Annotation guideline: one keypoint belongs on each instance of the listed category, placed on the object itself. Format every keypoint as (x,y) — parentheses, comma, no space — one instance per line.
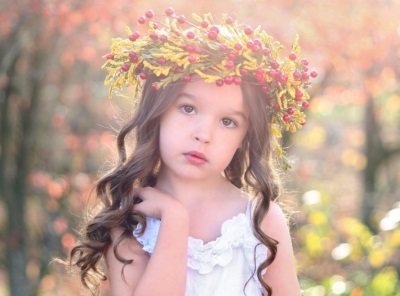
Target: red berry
(230,64)
(110,56)
(244,71)
(265,88)
(258,42)
(298,94)
(255,48)
(232,55)
(215,29)
(276,106)
(162,61)
(187,78)
(125,67)
(164,38)
(305,76)
(149,13)
(143,75)
(290,111)
(274,64)
(292,56)
(260,71)
(198,50)
(204,24)
(190,48)
(314,74)
(250,44)
(229,20)
(283,78)
(192,59)
(266,51)
(154,87)
(219,82)
(134,36)
(190,35)
(237,80)
(305,68)
(286,117)
(223,47)
(248,30)
(133,59)
(154,36)
(141,20)
(169,11)
(181,19)
(272,73)
(212,35)
(305,104)
(296,75)
(238,46)
(305,62)
(228,80)
(260,79)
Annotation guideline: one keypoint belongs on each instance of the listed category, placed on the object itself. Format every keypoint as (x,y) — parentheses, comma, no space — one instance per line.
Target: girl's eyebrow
(241,114)
(194,98)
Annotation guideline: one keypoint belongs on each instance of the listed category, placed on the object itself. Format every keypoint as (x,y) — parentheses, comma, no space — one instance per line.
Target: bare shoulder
(281,274)
(275,221)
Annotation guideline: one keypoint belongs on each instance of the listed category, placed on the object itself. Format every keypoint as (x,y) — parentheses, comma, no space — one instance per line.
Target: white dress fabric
(223,266)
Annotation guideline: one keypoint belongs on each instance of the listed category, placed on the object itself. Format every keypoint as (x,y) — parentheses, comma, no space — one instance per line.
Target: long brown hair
(251,169)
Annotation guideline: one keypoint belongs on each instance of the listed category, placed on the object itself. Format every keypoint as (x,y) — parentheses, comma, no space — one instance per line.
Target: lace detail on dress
(235,233)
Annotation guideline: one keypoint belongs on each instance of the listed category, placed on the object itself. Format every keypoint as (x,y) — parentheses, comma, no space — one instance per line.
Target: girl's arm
(164,273)
(281,274)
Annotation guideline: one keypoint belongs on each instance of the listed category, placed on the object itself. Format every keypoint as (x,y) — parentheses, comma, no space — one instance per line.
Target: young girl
(189,209)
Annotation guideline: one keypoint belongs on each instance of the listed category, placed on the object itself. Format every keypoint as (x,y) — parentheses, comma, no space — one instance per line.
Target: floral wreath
(222,53)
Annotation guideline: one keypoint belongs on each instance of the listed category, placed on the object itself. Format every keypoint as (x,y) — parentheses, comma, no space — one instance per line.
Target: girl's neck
(193,191)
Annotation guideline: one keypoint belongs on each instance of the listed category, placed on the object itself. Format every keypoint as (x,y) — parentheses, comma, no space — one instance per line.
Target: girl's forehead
(213,96)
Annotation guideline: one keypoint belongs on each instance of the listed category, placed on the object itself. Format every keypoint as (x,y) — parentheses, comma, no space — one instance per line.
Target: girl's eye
(228,122)
(187,109)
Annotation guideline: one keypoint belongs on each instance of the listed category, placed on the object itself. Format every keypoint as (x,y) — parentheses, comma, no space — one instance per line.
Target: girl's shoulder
(275,220)
(275,224)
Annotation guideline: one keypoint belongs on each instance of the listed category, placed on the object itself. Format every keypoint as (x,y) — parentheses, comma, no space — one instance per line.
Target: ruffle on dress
(236,232)
(149,237)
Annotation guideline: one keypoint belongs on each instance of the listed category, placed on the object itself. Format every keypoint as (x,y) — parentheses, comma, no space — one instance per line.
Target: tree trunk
(375,154)
(17,141)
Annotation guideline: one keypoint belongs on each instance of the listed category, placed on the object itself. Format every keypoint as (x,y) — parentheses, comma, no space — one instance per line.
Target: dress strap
(249,207)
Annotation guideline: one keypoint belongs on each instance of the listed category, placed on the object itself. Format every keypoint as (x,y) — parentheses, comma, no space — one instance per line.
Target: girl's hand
(156,203)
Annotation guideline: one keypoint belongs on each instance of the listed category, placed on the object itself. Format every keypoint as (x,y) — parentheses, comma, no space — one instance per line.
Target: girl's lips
(195,157)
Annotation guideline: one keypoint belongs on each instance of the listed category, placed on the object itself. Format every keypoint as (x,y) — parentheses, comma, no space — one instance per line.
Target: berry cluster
(225,53)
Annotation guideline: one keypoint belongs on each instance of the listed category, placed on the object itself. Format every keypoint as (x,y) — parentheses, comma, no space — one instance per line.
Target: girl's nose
(203,132)
(202,139)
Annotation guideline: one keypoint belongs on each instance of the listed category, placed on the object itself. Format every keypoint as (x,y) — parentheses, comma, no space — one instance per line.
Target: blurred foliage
(356,45)
(340,255)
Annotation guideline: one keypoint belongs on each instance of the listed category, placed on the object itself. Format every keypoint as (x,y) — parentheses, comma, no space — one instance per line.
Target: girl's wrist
(175,211)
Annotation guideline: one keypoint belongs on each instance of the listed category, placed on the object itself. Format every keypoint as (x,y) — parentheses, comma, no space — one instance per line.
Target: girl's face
(201,131)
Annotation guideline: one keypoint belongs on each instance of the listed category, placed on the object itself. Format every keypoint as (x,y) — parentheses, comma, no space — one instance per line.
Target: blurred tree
(24,56)
(378,154)
(360,42)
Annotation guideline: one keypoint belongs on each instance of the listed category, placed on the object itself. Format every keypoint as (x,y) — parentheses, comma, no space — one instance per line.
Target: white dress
(221,267)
